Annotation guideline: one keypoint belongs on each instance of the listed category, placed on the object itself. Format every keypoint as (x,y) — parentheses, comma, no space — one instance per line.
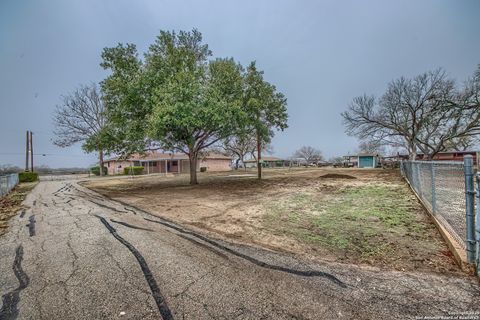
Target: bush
(27,176)
(96,170)
(135,170)
(203,169)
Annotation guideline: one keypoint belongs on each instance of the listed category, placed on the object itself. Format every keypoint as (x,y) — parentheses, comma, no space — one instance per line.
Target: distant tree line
(426,114)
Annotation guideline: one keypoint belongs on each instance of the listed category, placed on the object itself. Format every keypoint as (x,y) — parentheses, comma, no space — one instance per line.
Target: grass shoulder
(11,203)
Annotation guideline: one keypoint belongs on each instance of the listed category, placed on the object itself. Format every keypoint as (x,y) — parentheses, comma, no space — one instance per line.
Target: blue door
(365,162)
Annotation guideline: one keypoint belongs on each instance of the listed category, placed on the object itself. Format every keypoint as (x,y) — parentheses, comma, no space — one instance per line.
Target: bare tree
(240,146)
(425,113)
(371,146)
(9,168)
(81,118)
(463,143)
(309,154)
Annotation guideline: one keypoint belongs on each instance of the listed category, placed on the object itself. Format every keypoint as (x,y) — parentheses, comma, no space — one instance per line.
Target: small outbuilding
(366,160)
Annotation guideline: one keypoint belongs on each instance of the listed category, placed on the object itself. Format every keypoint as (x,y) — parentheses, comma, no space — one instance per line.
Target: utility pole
(259,148)
(259,156)
(31,150)
(27,148)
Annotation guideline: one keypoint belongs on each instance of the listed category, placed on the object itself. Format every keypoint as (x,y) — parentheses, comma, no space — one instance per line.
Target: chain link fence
(7,183)
(441,187)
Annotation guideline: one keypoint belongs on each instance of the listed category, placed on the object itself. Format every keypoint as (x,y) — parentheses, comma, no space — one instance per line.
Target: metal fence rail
(441,187)
(7,183)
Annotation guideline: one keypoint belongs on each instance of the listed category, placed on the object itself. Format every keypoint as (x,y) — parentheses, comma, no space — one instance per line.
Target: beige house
(159,162)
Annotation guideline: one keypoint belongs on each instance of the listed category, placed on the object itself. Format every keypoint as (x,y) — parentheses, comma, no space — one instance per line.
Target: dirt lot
(12,203)
(367,217)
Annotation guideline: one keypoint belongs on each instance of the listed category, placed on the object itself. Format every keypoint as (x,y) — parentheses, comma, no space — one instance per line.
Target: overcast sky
(320,54)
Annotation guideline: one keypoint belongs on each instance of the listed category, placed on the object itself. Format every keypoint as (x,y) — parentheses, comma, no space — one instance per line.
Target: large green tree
(125,97)
(266,109)
(177,99)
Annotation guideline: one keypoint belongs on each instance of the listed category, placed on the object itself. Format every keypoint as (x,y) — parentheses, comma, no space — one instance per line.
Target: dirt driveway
(366,217)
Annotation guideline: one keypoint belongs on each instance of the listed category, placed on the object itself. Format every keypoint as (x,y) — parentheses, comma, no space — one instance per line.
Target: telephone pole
(27,148)
(29,151)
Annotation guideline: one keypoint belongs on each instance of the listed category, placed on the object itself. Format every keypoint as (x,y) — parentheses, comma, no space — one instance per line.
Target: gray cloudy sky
(319,53)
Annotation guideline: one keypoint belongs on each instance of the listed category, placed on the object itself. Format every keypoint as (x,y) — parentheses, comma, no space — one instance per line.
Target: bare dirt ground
(366,217)
(12,203)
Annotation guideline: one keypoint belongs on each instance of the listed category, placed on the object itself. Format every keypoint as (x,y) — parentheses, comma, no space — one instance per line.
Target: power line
(46,154)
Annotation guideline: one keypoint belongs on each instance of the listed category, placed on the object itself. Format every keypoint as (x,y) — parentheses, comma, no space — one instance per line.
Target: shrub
(135,170)
(27,176)
(203,169)
(96,170)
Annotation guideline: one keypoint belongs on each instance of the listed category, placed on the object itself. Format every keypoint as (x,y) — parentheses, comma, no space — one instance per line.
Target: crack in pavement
(107,207)
(152,283)
(10,300)
(303,273)
(309,273)
(130,225)
(203,245)
(31,225)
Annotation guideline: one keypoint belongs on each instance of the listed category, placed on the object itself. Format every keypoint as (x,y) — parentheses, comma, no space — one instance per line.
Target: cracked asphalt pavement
(77,255)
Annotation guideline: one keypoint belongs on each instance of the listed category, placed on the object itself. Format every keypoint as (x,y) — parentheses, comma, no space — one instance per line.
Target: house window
(153,163)
(136,163)
(174,163)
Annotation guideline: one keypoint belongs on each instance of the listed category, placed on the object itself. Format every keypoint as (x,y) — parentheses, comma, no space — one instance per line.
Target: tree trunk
(193,168)
(412,151)
(100,156)
(259,157)
(236,163)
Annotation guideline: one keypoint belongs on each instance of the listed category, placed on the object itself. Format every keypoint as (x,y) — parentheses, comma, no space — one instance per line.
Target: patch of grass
(362,221)
(11,203)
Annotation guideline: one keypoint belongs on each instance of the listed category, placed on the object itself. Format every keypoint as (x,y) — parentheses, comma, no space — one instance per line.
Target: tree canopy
(425,114)
(177,99)
(82,118)
(309,154)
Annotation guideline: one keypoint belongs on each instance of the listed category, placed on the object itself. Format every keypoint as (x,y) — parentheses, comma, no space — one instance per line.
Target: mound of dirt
(337,176)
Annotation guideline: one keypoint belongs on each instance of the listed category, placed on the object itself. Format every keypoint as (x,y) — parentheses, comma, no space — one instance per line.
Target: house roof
(264,159)
(155,156)
(453,151)
(362,155)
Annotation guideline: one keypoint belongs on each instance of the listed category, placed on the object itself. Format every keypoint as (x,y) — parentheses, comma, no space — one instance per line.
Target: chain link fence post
(477,225)
(469,202)
(434,196)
